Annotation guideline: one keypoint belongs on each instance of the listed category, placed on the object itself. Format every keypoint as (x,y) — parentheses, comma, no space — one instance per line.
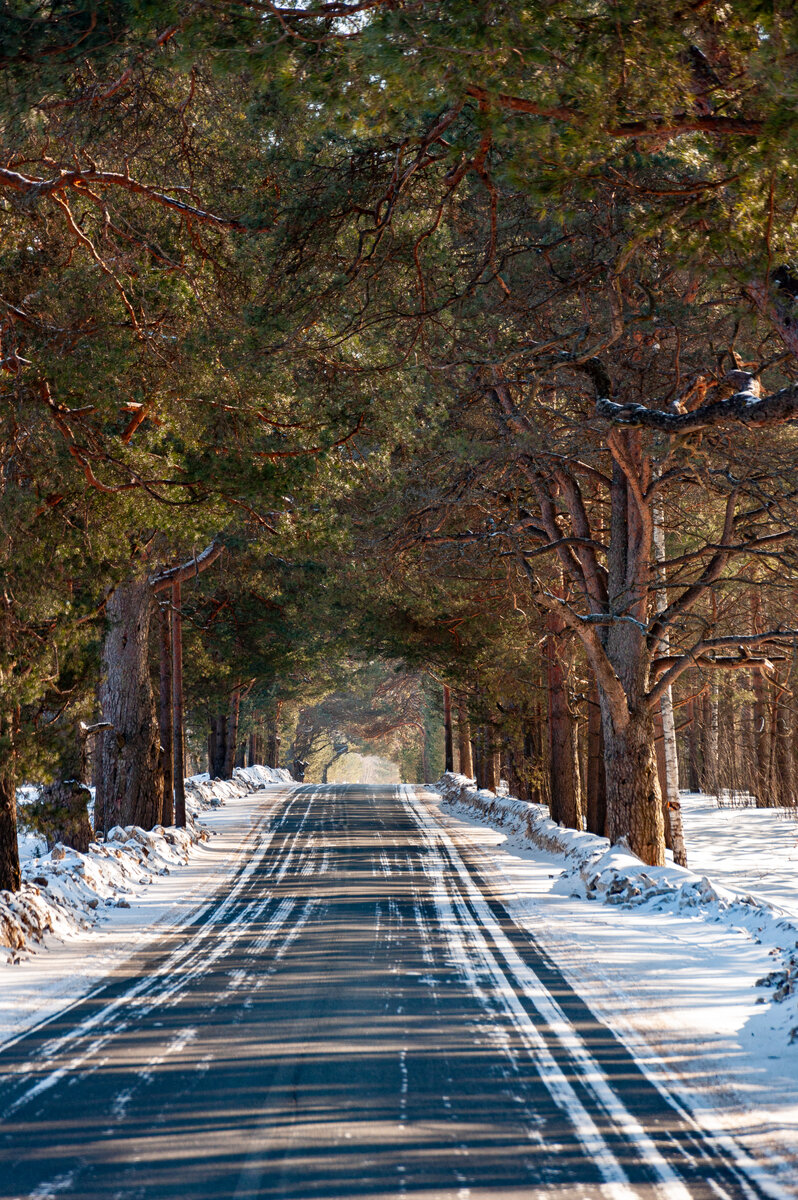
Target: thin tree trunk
(466,759)
(129,775)
(165,712)
(217,746)
(527,769)
(424,756)
(492,760)
(693,774)
(713,741)
(782,749)
(764,789)
(537,750)
(793,715)
(231,737)
(512,774)
(564,790)
(748,772)
(478,754)
(659,746)
(448,749)
(596,780)
(273,743)
(671,803)
(9,845)
(177,708)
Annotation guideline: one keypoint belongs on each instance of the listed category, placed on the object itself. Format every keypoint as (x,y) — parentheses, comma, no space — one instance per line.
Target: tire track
(681,1158)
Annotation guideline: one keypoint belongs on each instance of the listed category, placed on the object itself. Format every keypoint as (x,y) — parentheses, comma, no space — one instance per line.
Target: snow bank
(593,869)
(64,891)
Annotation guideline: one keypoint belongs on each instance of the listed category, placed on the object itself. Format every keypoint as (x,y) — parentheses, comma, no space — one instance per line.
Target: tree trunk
(794,723)
(669,771)
(448,748)
(491,761)
(273,742)
(748,772)
(165,712)
(9,845)
(130,775)
(596,780)
(634,804)
(535,741)
(231,733)
(65,806)
(564,783)
(662,775)
(478,755)
(764,789)
(709,772)
(782,749)
(424,756)
(466,760)
(179,759)
(693,773)
(672,799)
(217,746)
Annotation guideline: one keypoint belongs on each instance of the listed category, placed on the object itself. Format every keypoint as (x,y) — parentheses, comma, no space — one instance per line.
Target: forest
(417,378)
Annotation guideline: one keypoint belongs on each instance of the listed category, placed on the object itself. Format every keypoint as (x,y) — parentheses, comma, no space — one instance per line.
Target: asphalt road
(354,1015)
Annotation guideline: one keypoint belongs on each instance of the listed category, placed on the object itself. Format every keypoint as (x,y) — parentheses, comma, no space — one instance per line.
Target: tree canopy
(461,336)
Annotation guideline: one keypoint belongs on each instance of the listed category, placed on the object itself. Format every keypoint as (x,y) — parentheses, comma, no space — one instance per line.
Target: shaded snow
(52,973)
(64,891)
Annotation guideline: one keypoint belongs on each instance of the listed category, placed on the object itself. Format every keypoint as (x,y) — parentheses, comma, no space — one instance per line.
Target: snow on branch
(187,570)
(745,407)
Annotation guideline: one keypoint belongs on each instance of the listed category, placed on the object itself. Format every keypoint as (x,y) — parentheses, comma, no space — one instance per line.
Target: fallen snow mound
(594,869)
(64,891)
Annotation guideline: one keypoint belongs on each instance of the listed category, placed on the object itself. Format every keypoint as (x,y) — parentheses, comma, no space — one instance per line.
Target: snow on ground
(78,915)
(670,958)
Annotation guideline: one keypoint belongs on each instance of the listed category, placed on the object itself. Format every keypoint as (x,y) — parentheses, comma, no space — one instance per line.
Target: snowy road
(355,1015)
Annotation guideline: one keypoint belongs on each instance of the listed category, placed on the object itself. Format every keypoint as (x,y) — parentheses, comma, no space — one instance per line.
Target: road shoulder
(52,976)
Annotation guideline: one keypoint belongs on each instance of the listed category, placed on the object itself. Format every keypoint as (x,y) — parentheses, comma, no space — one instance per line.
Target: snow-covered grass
(671,959)
(746,848)
(64,891)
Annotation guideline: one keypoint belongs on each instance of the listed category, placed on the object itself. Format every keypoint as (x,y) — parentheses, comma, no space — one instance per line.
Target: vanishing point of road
(355,1014)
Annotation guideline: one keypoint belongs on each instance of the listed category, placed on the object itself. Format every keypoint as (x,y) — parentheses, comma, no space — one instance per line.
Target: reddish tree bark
(128,768)
(165,712)
(273,738)
(9,845)
(448,748)
(129,777)
(564,783)
(231,732)
(596,780)
(465,757)
(179,756)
